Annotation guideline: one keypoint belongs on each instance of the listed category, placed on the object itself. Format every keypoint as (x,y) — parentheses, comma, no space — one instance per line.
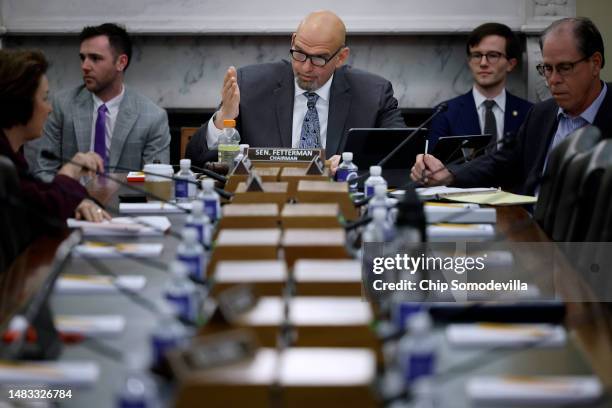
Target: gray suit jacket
(141,134)
(357,99)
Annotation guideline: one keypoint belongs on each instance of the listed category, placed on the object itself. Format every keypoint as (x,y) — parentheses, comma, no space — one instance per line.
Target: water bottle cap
(375,171)
(379,214)
(380,190)
(208,184)
(185,163)
(419,322)
(179,269)
(190,235)
(347,156)
(197,208)
(229,123)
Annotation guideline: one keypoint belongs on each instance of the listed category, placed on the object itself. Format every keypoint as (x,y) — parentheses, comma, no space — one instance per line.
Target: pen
(426,145)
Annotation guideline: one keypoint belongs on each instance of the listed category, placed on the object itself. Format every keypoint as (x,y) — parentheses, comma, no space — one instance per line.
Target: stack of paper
(153,207)
(453,232)
(459,213)
(90,325)
(73,373)
(505,335)
(439,192)
(534,391)
(120,226)
(92,249)
(85,284)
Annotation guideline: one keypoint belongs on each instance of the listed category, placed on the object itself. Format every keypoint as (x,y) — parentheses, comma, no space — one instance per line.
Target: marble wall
(186,72)
(182,47)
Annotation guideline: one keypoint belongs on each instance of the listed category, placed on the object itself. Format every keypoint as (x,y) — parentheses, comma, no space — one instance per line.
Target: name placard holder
(274,156)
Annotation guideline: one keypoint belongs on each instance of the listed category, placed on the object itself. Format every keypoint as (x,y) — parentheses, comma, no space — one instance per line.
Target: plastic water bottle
(138,390)
(184,182)
(347,171)
(374,179)
(191,253)
(182,293)
(417,348)
(229,143)
(211,200)
(167,334)
(379,199)
(200,221)
(376,231)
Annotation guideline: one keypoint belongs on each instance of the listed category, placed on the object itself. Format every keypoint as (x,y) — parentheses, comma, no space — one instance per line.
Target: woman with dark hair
(24,108)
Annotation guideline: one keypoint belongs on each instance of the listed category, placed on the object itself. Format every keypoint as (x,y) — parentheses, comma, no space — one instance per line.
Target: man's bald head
(322,27)
(321,35)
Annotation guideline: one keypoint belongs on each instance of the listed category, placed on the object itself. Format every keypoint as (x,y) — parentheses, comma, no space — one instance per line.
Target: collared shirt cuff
(212,133)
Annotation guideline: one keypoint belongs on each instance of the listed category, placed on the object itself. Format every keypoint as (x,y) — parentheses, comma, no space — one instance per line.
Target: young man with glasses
(310,102)
(573,56)
(492,52)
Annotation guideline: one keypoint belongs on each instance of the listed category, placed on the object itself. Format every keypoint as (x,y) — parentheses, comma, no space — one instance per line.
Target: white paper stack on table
(459,213)
(90,325)
(534,391)
(91,249)
(154,207)
(124,226)
(68,373)
(509,335)
(89,284)
(453,232)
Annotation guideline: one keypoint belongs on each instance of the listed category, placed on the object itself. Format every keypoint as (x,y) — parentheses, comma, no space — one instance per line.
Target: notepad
(90,325)
(122,226)
(93,249)
(498,198)
(153,207)
(86,284)
(534,390)
(63,373)
(505,335)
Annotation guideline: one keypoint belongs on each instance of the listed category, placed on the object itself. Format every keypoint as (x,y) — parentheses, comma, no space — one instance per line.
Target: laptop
(467,147)
(371,145)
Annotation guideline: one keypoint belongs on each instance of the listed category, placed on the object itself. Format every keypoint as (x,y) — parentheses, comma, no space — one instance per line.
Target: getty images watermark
(461,271)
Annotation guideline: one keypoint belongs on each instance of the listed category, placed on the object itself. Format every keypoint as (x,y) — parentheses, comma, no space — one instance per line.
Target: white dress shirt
(112,110)
(299,111)
(498,110)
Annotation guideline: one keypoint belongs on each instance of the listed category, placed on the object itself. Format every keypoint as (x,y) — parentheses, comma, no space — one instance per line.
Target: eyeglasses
(563,68)
(316,60)
(491,56)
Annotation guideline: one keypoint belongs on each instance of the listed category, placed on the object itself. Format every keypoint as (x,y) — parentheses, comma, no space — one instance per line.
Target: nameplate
(316,167)
(284,155)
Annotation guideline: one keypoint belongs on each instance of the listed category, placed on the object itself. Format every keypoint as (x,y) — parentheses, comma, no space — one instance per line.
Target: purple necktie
(100,137)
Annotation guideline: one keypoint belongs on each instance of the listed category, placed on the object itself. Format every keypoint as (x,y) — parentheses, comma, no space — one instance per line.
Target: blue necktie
(310,138)
(100,135)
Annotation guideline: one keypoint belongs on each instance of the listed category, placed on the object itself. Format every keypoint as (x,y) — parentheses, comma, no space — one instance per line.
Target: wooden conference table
(592,350)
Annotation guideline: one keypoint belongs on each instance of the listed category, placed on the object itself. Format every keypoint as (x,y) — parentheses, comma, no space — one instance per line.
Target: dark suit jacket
(57,199)
(523,161)
(357,99)
(461,117)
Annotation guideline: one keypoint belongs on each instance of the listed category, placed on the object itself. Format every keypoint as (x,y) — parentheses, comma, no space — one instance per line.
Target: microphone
(439,109)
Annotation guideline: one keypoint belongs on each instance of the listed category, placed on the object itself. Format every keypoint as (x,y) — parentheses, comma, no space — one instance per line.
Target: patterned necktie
(490,124)
(100,135)
(310,138)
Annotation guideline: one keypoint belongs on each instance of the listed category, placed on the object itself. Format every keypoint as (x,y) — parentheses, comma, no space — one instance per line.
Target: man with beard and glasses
(103,115)
(310,102)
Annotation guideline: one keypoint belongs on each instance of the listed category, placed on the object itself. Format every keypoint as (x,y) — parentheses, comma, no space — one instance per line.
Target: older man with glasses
(310,102)
(493,51)
(573,56)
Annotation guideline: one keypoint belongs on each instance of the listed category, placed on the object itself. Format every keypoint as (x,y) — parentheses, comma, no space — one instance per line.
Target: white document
(73,373)
(122,226)
(505,335)
(153,207)
(431,193)
(459,213)
(90,325)
(85,284)
(92,249)
(534,391)
(453,232)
